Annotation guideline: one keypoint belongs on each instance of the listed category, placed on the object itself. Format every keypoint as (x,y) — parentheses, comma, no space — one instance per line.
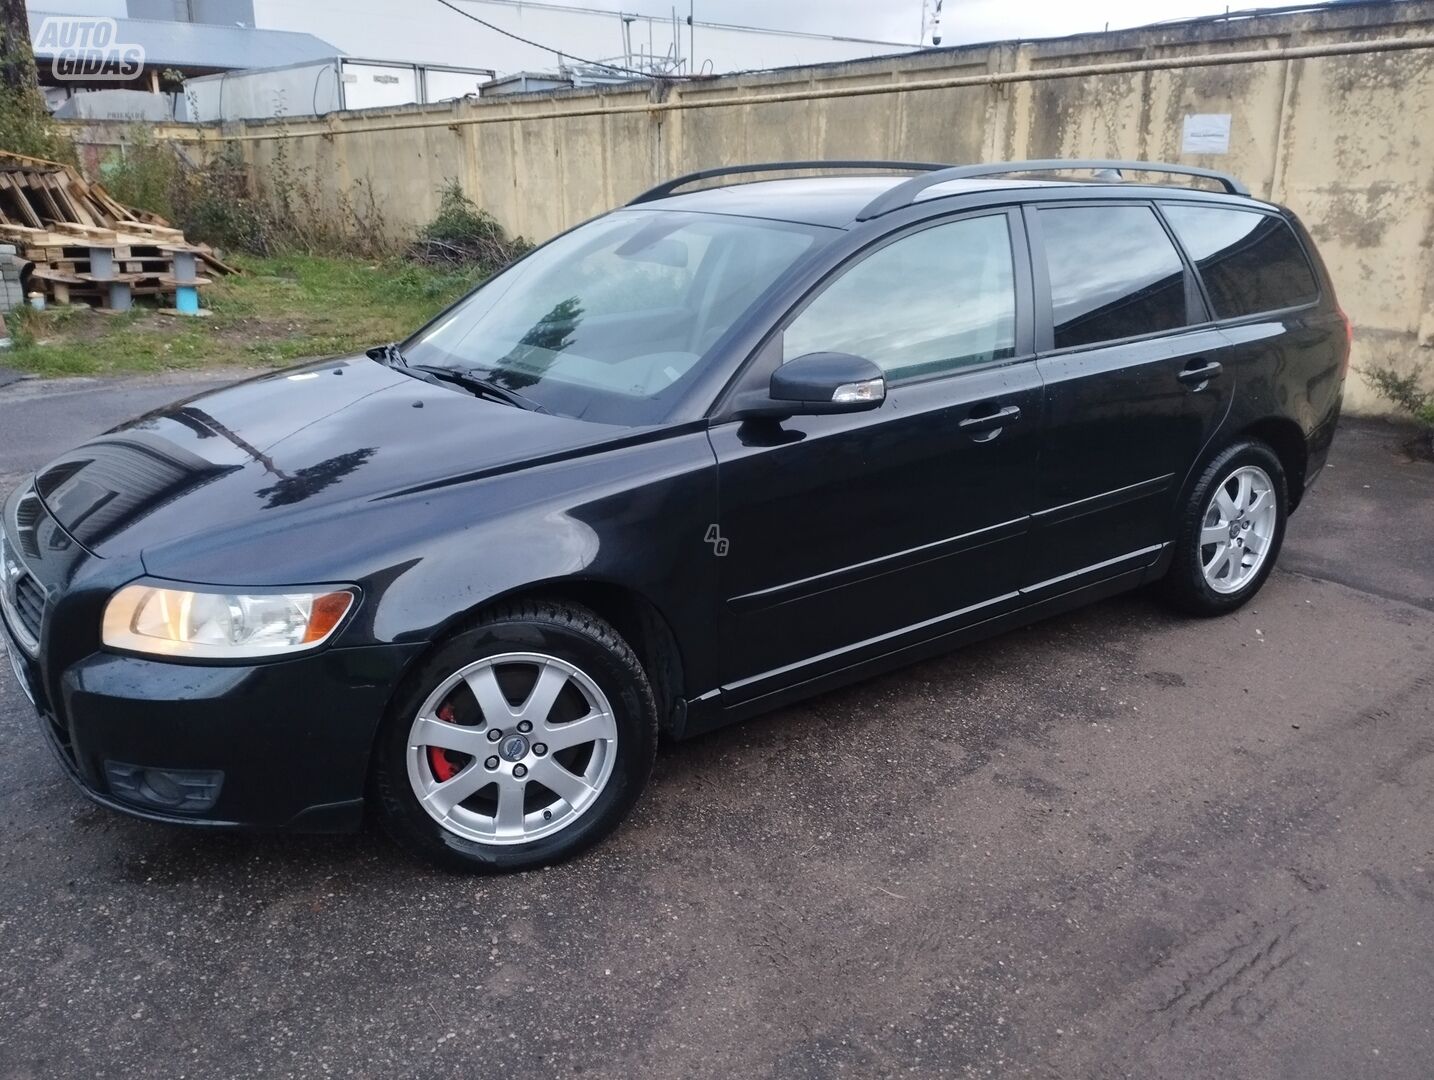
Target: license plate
(19,671)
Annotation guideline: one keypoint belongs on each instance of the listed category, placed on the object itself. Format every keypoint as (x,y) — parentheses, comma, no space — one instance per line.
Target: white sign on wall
(1206,133)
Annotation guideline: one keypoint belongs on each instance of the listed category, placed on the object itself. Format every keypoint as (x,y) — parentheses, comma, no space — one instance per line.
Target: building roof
(191,46)
(531,76)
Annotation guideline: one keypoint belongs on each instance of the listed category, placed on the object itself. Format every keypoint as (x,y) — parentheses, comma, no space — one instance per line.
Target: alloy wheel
(496,772)
(1238,529)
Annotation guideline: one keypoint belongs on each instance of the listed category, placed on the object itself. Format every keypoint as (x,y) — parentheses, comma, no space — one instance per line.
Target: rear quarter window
(1114,274)
(1250,262)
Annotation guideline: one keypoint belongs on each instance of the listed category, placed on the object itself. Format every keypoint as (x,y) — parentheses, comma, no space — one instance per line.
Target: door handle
(1198,376)
(991,422)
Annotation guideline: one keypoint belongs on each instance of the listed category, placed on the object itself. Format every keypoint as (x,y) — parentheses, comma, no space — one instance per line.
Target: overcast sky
(426,31)
(901,20)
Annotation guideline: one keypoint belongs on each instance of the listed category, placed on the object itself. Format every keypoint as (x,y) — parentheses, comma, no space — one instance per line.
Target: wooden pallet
(64,225)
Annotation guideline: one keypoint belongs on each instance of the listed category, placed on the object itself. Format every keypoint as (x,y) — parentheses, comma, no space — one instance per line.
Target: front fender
(634,516)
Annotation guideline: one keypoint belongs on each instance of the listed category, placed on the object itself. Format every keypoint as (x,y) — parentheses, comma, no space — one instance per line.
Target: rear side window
(931,302)
(1114,274)
(1250,262)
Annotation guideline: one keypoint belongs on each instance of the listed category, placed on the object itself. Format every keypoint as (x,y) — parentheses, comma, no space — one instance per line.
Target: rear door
(1288,344)
(845,537)
(1136,383)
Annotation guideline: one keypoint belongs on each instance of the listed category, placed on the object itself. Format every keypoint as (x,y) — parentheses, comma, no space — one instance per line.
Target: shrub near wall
(214,197)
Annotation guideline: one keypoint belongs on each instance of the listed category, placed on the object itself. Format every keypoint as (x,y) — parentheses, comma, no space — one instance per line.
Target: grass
(279,311)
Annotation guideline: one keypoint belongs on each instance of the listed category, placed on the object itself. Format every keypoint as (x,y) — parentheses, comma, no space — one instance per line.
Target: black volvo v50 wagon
(703,455)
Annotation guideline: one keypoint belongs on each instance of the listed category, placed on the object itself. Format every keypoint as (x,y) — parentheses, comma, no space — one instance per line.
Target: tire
(1216,578)
(543,665)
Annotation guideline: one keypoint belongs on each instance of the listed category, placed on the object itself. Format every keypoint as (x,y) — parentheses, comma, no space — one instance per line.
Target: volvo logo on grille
(513,748)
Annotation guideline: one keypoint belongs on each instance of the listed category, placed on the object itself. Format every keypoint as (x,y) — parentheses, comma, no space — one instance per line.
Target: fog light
(185,791)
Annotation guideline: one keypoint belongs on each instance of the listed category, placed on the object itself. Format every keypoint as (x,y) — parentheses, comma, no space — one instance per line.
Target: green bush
(20,327)
(146,175)
(211,201)
(213,198)
(217,207)
(463,235)
(213,195)
(1405,391)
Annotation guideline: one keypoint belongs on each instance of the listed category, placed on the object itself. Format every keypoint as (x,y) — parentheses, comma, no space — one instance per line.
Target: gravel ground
(1116,844)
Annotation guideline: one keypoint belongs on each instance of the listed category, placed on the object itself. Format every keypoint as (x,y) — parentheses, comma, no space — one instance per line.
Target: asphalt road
(1116,844)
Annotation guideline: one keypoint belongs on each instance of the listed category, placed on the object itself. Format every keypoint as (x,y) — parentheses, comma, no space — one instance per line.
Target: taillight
(1348,342)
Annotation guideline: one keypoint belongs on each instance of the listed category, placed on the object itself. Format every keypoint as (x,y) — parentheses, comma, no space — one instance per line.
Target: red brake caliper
(443,769)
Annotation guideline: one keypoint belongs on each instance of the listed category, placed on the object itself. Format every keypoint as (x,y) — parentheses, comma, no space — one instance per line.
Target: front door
(851,536)
(1134,389)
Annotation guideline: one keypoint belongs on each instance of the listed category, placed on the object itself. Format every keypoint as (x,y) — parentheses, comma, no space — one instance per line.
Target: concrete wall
(1346,140)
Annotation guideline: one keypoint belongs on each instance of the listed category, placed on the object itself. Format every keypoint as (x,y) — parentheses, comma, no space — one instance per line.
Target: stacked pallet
(87,247)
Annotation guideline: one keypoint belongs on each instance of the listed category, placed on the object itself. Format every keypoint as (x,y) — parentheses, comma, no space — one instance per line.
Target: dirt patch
(77,324)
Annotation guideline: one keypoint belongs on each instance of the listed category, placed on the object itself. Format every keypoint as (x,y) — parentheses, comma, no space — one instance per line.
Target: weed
(1408,393)
(216,196)
(19,326)
(1405,391)
(146,175)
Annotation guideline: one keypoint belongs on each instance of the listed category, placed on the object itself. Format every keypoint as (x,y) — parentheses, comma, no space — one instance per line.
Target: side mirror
(821,383)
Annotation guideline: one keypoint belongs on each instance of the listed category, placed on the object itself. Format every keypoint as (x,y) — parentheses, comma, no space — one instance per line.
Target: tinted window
(936,300)
(611,321)
(1250,262)
(1114,274)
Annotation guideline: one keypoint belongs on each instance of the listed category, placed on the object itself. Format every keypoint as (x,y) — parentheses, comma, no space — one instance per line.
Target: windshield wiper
(391,355)
(476,384)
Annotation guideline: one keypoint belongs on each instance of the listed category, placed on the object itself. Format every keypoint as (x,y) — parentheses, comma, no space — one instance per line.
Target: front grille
(22,600)
(29,605)
(28,514)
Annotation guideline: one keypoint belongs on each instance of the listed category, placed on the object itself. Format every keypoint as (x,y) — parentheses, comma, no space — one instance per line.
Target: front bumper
(291,739)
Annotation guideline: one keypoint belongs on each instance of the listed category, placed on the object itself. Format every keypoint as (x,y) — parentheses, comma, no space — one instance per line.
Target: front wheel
(519,743)
(1230,531)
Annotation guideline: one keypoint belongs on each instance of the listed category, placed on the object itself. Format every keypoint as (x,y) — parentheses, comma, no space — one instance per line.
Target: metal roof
(187,45)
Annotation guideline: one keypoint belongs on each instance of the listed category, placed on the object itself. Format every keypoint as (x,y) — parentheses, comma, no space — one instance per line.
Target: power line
(706,24)
(560,53)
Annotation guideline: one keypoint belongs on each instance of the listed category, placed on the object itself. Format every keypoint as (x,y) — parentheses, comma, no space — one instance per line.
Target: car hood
(289,444)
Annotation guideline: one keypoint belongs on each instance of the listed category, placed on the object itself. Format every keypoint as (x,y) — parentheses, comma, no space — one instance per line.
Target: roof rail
(661,191)
(905,194)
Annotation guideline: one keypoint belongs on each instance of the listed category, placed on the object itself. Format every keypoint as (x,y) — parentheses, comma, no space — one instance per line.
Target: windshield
(611,322)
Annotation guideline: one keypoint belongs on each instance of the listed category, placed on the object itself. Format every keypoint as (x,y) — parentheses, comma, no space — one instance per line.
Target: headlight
(218,625)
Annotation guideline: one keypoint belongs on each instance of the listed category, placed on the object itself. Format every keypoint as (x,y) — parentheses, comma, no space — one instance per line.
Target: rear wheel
(1230,531)
(520,743)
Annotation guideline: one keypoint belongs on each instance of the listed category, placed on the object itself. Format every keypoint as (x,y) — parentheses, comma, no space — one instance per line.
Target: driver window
(932,302)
